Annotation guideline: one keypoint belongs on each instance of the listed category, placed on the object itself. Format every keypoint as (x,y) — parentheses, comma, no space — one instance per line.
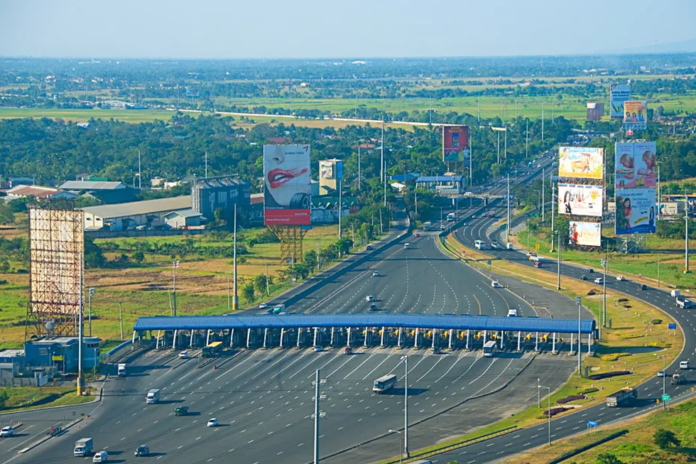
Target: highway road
(263,398)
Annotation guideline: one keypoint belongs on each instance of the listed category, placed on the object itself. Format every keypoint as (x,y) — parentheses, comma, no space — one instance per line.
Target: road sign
(536,246)
(577,300)
(489,262)
(666,398)
(604,262)
(672,327)
(591,423)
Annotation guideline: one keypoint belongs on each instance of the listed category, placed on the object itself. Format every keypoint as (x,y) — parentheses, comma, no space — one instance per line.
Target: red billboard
(286,170)
(455,140)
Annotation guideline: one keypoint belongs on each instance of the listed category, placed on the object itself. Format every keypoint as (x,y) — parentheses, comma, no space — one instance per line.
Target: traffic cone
(214,367)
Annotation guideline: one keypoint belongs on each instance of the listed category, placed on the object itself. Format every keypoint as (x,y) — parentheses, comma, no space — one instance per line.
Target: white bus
(489,349)
(451,217)
(480,245)
(384,384)
(427,225)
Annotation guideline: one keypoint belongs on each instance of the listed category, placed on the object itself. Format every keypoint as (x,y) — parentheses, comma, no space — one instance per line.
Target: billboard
(636,165)
(595,111)
(620,93)
(455,140)
(580,200)
(636,115)
(326,169)
(585,233)
(635,211)
(581,162)
(286,174)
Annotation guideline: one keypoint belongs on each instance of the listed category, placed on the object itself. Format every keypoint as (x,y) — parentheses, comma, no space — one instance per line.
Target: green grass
(84,115)
(646,264)
(26,398)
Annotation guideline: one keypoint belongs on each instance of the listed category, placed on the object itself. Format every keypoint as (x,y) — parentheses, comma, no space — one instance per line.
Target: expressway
(263,398)
(567,425)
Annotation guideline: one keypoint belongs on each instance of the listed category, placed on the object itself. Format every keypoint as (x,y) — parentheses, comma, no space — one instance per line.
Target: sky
(228,29)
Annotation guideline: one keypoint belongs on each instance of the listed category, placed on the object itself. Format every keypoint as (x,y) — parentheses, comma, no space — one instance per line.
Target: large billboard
(636,115)
(287,185)
(580,200)
(455,140)
(326,169)
(581,162)
(636,165)
(620,93)
(585,233)
(635,211)
(595,111)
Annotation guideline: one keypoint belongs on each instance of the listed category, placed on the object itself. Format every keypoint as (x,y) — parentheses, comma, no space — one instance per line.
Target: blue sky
(331,28)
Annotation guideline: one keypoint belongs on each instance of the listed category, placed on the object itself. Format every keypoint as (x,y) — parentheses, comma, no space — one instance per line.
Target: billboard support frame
(291,242)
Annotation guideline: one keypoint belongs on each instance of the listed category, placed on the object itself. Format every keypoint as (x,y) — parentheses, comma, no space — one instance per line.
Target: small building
(36,191)
(91,185)
(157,182)
(444,185)
(128,216)
(61,353)
(224,193)
(183,219)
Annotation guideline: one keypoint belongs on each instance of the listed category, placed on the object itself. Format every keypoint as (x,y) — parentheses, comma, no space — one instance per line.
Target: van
(83,447)
(101,456)
(684,365)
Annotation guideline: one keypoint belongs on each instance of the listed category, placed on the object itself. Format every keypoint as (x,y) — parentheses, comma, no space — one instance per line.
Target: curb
(44,439)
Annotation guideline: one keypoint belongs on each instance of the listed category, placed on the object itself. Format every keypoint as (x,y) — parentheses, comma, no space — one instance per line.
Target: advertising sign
(287,185)
(339,170)
(585,233)
(620,93)
(636,165)
(635,115)
(326,170)
(581,162)
(635,211)
(595,111)
(580,200)
(455,140)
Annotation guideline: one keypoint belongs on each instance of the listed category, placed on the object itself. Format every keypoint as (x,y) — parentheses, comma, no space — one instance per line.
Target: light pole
(235,298)
(604,288)
(401,446)
(318,382)
(552,213)
(89,310)
(558,287)
(578,302)
(664,379)
(175,264)
(405,360)
(548,413)
(543,196)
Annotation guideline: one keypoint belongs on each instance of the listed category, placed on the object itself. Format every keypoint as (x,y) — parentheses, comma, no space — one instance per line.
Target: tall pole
(542,121)
(340,208)
(415,201)
(268,284)
(79,351)
(235,298)
(558,286)
(686,235)
(381,165)
(604,287)
(229,294)
(405,358)
(659,195)
(385,184)
(553,215)
(120,318)
(359,175)
(89,310)
(664,379)
(471,169)
(317,383)
(498,147)
(579,339)
(543,196)
(548,413)
(506,142)
(175,264)
(140,179)
(526,141)
(507,232)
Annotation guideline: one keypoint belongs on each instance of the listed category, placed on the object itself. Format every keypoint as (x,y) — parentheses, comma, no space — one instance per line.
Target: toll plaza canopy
(287,321)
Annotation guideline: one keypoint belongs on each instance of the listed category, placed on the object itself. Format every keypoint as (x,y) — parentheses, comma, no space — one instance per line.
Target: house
(36,191)
(91,185)
(128,216)
(183,219)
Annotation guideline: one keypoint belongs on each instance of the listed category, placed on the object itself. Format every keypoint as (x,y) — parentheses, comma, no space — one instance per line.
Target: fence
(116,352)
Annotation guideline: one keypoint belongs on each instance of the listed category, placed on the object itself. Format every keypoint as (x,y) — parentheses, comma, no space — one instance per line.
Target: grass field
(636,447)
(26,398)
(132,116)
(671,265)
(637,343)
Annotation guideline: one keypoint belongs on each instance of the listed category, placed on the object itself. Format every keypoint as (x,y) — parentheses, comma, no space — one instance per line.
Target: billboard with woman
(636,165)
(286,185)
(635,211)
(585,233)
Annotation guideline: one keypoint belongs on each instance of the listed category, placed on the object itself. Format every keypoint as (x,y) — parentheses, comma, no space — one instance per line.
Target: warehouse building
(129,216)
(221,193)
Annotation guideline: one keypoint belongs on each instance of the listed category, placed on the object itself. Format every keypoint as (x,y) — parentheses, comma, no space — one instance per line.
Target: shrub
(606,375)
(568,399)
(587,391)
(657,321)
(614,356)
(554,411)
(664,438)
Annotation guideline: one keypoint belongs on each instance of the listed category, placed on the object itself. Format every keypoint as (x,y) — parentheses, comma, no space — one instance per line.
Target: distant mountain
(685,46)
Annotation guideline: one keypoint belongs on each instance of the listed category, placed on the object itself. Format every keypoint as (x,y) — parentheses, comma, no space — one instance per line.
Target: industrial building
(128,216)
(330,172)
(35,191)
(91,185)
(222,193)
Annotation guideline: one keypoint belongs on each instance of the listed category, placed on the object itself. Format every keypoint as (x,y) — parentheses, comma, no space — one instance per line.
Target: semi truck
(622,397)
(153,396)
(83,447)
(121,370)
(678,378)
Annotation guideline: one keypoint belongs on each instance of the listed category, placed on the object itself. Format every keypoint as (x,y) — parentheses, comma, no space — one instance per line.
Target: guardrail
(114,352)
(457,445)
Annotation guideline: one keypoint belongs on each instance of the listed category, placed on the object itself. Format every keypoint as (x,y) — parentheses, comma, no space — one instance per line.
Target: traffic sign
(591,423)
(672,327)
(489,262)
(577,300)
(536,246)
(666,398)
(604,262)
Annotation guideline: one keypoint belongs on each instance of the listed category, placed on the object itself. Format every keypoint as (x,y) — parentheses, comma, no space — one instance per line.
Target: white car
(369,298)
(512,312)
(184,355)
(375,273)
(407,246)
(661,373)
(684,365)
(496,284)
(263,306)
(212,423)
(6,431)
(620,278)
(599,281)
(101,456)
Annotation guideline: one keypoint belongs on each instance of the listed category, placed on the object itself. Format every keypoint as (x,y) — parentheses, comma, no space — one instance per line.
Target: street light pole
(401,446)
(558,287)
(175,264)
(235,298)
(89,310)
(405,360)
(579,338)
(548,413)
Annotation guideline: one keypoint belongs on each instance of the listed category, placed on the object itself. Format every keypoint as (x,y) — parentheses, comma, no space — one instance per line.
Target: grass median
(28,398)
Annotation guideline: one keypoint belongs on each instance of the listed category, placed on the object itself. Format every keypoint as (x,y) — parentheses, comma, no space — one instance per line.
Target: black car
(143,450)
(643,287)
(584,277)
(590,270)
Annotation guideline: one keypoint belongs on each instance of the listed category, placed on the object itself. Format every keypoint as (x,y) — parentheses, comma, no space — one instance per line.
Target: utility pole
(175,264)
(505,141)
(686,235)
(340,208)
(507,231)
(381,164)
(140,177)
(543,196)
(229,294)
(558,287)
(89,305)
(526,141)
(471,168)
(206,164)
(553,215)
(605,263)
(578,302)
(120,318)
(405,360)
(317,413)
(359,176)
(268,285)
(385,184)
(415,202)
(498,147)
(542,121)
(235,298)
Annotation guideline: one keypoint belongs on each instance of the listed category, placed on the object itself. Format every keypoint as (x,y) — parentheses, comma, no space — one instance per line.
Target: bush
(613,356)
(656,321)
(554,411)
(606,375)
(568,399)
(589,390)
(664,438)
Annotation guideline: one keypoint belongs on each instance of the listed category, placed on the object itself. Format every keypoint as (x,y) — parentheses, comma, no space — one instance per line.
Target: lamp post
(175,264)
(89,310)
(405,360)
(401,446)
(558,287)
(548,413)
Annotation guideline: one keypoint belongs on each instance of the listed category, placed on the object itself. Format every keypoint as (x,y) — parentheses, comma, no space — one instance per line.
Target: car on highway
(142,450)
(369,298)
(589,270)
(685,304)
(6,431)
(263,306)
(318,349)
(643,287)
(348,350)
(660,373)
(620,278)
(184,355)
(212,423)
(512,312)
(181,410)
(684,365)
(101,456)
(373,307)
(370,246)
(494,245)
(407,246)
(599,281)
(583,277)
(537,263)
(375,273)
(496,284)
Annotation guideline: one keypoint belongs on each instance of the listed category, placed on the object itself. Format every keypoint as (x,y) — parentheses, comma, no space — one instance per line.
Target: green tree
(310,259)
(6,214)
(138,257)
(248,292)
(607,458)
(3,398)
(260,283)
(4,266)
(665,438)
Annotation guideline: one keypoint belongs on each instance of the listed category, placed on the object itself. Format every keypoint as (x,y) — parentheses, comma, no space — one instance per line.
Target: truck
(683,303)
(427,225)
(622,397)
(675,293)
(153,396)
(678,378)
(181,410)
(83,447)
(121,370)
(451,217)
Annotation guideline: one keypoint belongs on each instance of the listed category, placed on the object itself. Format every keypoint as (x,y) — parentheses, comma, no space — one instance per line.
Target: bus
(451,217)
(480,245)
(212,350)
(489,349)
(384,384)
(427,225)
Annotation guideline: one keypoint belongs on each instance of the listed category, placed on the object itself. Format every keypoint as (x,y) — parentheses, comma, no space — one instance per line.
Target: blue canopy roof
(428,179)
(424,321)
